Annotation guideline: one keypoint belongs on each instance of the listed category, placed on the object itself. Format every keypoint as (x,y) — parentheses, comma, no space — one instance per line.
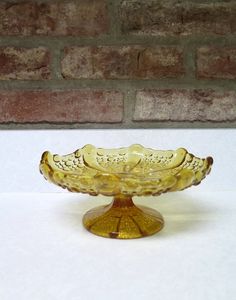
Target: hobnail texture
(124,173)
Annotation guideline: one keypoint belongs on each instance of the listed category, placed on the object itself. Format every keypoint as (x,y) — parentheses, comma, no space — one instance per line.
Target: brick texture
(24,64)
(215,62)
(185,105)
(75,18)
(177,17)
(127,62)
(117,61)
(61,106)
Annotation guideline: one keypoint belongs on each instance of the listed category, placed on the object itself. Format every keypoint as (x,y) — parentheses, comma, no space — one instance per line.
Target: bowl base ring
(122,219)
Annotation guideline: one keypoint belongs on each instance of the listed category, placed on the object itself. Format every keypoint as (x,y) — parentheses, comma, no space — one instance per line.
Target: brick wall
(117,64)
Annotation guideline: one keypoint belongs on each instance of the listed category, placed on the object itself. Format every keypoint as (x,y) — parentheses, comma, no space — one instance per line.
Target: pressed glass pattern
(124,173)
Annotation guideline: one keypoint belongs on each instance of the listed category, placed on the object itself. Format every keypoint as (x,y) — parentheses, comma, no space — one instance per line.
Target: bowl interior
(134,170)
(134,160)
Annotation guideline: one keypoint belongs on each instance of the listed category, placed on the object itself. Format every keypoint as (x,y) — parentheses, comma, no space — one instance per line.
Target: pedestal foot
(123,220)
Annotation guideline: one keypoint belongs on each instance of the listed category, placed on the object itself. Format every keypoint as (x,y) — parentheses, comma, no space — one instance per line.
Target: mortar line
(120,85)
(133,125)
(129,101)
(68,1)
(56,63)
(117,40)
(190,62)
(113,18)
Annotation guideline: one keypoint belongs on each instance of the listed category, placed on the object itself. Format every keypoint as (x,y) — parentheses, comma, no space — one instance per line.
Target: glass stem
(122,201)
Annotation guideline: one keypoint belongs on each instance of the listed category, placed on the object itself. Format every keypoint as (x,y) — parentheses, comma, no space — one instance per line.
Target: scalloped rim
(88,148)
(48,167)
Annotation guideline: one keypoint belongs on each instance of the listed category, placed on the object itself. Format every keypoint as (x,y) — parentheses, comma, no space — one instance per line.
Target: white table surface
(46,254)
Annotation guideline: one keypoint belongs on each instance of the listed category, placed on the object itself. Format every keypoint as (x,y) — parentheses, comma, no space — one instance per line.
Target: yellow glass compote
(124,173)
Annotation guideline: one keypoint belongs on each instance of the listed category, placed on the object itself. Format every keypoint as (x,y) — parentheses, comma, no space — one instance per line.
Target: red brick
(185,105)
(215,62)
(61,106)
(177,17)
(122,62)
(74,18)
(24,64)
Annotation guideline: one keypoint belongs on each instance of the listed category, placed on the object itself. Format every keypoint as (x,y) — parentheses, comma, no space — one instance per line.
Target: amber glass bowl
(124,173)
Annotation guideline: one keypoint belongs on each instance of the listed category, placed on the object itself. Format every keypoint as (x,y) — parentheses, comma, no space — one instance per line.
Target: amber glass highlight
(124,173)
